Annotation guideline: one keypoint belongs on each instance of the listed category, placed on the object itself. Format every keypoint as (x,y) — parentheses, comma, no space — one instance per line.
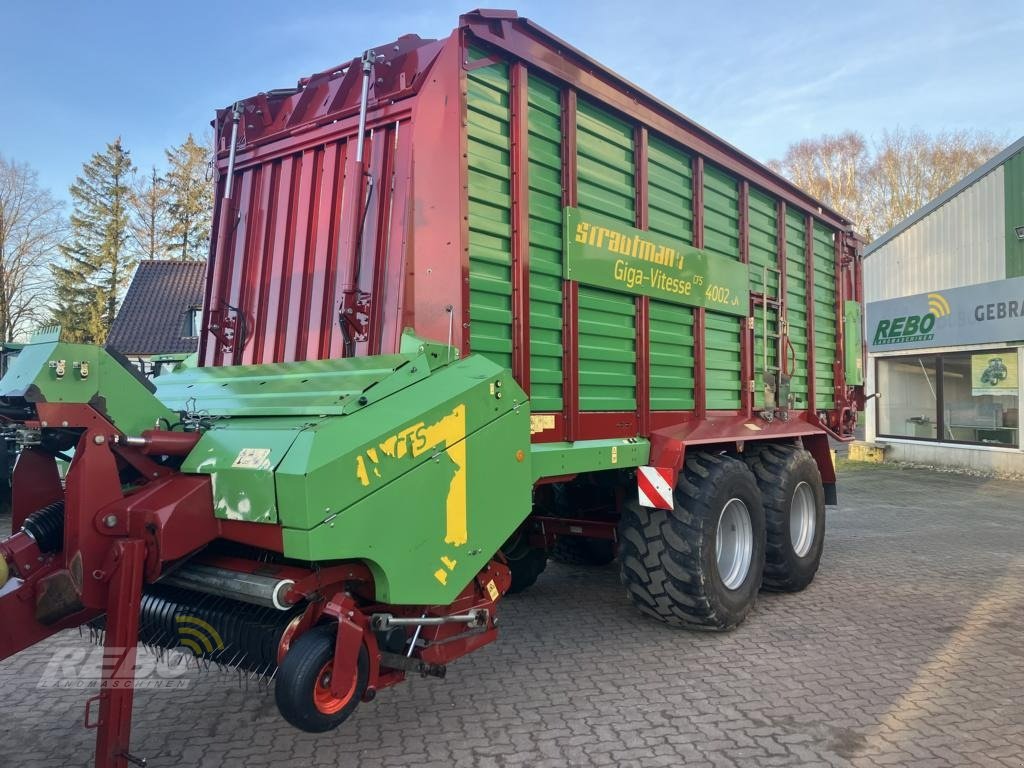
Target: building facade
(945,325)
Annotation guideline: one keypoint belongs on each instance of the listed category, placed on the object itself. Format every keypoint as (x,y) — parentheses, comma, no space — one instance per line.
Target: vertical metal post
(570,305)
(643,303)
(520,225)
(809,280)
(747,333)
(113,740)
(368,58)
(236,115)
(700,363)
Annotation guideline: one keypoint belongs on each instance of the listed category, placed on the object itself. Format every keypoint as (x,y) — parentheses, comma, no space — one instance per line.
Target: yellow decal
(446,435)
(451,430)
(492,590)
(615,455)
(634,246)
(539,422)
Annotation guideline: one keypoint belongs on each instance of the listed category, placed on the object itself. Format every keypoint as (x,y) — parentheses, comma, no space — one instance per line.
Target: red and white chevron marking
(655,486)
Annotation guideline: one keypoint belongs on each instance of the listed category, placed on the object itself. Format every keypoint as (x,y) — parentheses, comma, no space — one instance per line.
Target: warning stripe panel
(654,486)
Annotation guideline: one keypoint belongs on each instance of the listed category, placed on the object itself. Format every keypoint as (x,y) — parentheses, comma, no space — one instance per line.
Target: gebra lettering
(998,311)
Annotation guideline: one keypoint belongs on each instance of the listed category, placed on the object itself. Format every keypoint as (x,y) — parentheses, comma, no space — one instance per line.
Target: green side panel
(669,191)
(401,530)
(796,304)
(852,327)
(240,456)
(607,320)
(824,317)
(671,356)
(424,487)
(490,213)
(721,212)
(53,372)
(670,212)
(544,153)
(722,236)
(1013,200)
(764,278)
(723,361)
(559,459)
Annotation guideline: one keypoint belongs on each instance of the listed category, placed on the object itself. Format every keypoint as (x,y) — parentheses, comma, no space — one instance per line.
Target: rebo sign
(975,314)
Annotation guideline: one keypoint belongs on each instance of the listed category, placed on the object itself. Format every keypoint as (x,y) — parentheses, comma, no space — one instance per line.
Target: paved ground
(907,650)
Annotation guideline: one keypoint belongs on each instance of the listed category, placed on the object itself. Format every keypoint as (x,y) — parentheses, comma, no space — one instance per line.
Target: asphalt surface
(907,650)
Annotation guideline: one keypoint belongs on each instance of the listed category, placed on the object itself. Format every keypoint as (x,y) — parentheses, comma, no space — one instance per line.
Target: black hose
(46,526)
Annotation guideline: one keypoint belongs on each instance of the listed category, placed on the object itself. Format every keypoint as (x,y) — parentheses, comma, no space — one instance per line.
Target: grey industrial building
(945,325)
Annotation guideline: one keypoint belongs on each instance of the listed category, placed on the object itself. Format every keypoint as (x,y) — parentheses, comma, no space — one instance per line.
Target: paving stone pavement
(907,650)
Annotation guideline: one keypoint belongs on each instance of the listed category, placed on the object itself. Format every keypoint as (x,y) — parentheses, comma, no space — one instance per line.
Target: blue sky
(74,75)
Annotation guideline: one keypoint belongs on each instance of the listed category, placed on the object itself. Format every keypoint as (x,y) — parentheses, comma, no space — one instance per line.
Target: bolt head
(110,521)
(99,439)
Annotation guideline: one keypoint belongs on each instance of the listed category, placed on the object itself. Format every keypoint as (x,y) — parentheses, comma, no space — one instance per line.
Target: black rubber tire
(299,673)
(779,469)
(667,558)
(525,562)
(581,550)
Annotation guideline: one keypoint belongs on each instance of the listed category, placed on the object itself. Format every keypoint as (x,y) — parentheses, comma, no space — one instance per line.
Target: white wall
(961,243)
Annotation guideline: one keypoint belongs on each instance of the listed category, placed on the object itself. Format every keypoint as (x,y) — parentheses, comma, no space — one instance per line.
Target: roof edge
(930,207)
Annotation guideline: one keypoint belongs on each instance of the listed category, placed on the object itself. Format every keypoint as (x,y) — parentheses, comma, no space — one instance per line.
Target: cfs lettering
(631,276)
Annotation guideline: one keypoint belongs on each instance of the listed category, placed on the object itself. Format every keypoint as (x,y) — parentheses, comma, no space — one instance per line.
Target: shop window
(960,397)
(908,406)
(980,394)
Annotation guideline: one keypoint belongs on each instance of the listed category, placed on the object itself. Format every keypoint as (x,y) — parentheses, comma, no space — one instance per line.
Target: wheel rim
(734,543)
(802,519)
(326,702)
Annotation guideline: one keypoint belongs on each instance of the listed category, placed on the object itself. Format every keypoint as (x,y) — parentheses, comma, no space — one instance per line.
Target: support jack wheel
(303,688)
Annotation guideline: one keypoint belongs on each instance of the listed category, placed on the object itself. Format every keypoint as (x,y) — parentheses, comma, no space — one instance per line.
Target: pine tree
(150,207)
(191,199)
(97,262)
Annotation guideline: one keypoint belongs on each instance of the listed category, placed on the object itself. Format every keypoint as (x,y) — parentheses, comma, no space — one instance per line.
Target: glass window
(960,397)
(193,323)
(908,406)
(980,395)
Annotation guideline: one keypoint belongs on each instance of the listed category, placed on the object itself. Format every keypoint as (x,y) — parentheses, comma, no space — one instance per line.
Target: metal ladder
(775,374)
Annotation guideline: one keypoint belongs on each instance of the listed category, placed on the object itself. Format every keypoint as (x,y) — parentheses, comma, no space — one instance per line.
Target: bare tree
(832,169)
(31,229)
(912,167)
(878,186)
(149,224)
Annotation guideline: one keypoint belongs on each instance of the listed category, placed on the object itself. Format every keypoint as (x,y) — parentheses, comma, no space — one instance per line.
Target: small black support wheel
(525,562)
(581,550)
(698,565)
(794,508)
(302,690)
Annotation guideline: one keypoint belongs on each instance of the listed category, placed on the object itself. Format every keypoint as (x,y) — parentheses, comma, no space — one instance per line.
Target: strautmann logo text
(912,328)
